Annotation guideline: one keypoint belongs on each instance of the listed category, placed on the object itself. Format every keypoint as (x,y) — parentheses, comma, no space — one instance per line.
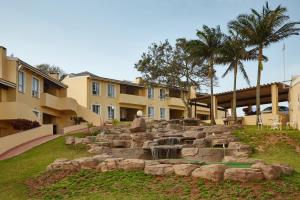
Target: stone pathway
(26,146)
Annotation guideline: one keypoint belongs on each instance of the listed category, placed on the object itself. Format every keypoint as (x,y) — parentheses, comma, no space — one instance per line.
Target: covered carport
(271,93)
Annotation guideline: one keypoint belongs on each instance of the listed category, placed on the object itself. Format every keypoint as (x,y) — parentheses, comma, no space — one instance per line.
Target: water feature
(165,151)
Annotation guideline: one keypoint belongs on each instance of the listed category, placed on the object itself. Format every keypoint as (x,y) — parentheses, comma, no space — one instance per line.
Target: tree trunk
(186,103)
(260,65)
(233,109)
(212,114)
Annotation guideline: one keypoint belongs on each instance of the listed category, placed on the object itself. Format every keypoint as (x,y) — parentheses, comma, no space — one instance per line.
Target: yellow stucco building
(27,93)
(120,100)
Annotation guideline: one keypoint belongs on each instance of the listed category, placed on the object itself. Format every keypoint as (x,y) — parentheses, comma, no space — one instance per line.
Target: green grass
(16,170)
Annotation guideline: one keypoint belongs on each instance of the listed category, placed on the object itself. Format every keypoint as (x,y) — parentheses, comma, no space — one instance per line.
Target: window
(96,109)
(151,112)
(110,112)
(21,82)
(150,93)
(162,94)
(35,91)
(36,113)
(162,113)
(95,88)
(110,90)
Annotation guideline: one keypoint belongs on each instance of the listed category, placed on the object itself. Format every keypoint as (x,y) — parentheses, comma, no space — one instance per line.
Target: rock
(88,139)
(189,152)
(193,134)
(240,146)
(219,142)
(63,164)
(285,169)
(270,172)
(109,164)
(100,158)
(200,143)
(159,169)
(138,139)
(191,122)
(213,172)
(87,162)
(78,140)
(99,150)
(69,140)
(124,136)
(148,144)
(174,127)
(121,143)
(240,159)
(184,169)
(138,125)
(243,174)
(132,164)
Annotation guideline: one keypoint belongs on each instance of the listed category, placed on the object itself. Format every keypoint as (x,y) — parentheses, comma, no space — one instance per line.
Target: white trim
(115,108)
(96,104)
(39,86)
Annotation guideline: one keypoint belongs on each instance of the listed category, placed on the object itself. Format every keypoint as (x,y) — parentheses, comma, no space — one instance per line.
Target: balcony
(132,99)
(58,103)
(173,101)
(15,110)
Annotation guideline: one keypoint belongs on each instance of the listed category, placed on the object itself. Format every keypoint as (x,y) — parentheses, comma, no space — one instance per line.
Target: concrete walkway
(26,146)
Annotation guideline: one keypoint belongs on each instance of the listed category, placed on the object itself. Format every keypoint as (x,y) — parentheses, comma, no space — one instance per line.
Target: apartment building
(120,100)
(28,93)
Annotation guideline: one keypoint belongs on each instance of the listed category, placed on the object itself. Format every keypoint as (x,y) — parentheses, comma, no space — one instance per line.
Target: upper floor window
(162,113)
(35,91)
(96,109)
(162,94)
(151,112)
(21,82)
(110,112)
(110,90)
(95,88)
(150,93)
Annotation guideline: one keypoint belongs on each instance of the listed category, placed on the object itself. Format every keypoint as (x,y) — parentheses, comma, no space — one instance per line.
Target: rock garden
(180,147)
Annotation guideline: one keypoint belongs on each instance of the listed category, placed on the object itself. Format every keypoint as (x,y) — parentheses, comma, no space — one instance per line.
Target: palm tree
(207,47)
(233,53)
(261,29)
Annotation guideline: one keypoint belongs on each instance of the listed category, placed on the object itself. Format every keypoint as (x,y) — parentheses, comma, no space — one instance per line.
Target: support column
(274,92)
(215,106)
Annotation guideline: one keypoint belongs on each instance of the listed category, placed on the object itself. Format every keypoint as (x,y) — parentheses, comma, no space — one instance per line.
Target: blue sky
(107,37)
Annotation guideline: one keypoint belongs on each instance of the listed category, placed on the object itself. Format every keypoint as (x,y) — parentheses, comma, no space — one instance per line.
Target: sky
(107,37)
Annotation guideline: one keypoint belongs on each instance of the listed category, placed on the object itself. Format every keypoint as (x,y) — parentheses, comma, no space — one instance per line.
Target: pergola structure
(269,93)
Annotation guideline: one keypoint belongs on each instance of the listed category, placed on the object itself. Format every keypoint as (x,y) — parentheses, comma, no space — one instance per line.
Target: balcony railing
(133,99)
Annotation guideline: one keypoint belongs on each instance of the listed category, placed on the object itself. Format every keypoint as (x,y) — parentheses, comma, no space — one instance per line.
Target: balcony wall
(172,101)
(132,99)
(16,110)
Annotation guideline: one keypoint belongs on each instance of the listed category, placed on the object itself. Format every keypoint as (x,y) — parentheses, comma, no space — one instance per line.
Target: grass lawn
(271,146)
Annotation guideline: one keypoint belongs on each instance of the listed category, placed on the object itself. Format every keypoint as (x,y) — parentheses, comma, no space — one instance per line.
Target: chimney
(54,75)
(2,60)
(138,80)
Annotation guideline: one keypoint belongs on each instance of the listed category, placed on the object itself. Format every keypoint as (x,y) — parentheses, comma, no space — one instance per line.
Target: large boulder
(184,169)
(63,164)
(270,172)
(138,125)
(138,139)
(132,164)
(88,139)
(109,164)
(69,140)
(285,169)
(102,157)
(243,174)
(186,152)
(78,140)
(148,144)
(174,127)
(213,172)
(87,162)
(159,169)
(99,150)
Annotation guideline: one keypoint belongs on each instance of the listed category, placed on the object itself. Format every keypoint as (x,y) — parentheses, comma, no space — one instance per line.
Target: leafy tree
(207,48)
(233,53)
(48,69)
(262,28)
(173,67)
